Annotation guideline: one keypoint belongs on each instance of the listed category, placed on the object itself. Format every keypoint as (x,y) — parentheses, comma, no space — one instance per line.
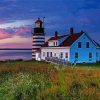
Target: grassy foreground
(30,80)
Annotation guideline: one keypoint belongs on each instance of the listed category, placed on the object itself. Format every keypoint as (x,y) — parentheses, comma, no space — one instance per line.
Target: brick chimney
(56,34)
(71,31)
(82,31)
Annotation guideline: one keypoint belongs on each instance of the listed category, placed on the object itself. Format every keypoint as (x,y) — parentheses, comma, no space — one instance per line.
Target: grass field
(31,80)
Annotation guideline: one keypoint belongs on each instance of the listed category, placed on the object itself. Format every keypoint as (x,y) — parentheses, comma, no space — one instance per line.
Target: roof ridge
(93,41)
(71,39)
(67,42)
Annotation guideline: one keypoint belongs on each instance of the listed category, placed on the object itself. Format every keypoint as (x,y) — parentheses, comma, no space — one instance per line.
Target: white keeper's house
(73,47)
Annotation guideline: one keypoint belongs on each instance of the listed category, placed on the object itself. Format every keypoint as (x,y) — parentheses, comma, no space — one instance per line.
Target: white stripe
(36,47)
(38,36)
(38,40)
(33,57)
(33,54)
(34,50)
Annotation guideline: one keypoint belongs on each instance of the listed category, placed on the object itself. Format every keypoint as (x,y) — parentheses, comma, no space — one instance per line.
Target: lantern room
(38,23)
(39,27)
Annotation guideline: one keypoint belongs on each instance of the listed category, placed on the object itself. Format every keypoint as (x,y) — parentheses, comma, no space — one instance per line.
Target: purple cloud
(10,32)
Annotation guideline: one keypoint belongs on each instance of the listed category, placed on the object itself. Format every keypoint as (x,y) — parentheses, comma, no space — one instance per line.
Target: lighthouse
(38,37)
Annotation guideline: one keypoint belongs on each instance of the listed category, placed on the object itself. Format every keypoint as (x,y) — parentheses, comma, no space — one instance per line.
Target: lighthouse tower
(38,37)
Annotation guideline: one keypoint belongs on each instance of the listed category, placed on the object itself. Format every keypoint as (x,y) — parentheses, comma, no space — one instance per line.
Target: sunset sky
(17,19)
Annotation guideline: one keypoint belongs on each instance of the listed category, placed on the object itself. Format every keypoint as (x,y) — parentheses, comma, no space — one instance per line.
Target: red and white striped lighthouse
(38,37)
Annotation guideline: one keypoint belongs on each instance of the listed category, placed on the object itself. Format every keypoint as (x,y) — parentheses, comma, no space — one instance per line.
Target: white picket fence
(57,60)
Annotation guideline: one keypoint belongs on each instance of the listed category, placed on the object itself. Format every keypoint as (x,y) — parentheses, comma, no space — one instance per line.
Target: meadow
(32,80)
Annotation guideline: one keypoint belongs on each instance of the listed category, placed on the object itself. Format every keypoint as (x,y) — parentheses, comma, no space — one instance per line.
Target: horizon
(17,19)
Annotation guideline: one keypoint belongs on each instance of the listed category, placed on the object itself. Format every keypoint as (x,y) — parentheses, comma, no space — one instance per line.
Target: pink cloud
(4,34)
(15,37)
(22,30)
(16,45)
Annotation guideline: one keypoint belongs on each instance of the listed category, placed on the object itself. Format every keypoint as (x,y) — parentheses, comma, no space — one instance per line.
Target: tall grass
(31,80)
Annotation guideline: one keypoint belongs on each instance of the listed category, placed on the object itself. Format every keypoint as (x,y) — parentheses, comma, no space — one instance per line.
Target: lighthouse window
(37,24)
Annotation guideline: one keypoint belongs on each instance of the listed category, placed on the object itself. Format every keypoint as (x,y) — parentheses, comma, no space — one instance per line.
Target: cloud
(4,34)
(16,23)
(60,15)
(16,42)
(22,30)
(16,45)
(19,31)
(16,39)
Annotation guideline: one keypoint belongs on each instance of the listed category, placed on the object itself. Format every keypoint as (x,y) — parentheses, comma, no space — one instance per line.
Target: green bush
(23,87)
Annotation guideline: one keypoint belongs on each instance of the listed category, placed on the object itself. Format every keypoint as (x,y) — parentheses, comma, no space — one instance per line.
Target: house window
(66,54)
(79,44)
(90,55)
(47,54)
(55,54)
(54,43)
(61,55)
(76,55)
(39,55)
(87,45)
(96,54)
(43,53)
(50,54)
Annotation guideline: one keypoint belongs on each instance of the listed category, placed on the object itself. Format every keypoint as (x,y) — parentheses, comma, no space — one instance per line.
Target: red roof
(38,20)
(53,38)
(58,37)
(70,39)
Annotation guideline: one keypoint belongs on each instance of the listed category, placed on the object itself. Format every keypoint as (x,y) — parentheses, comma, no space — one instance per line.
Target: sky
(17,19)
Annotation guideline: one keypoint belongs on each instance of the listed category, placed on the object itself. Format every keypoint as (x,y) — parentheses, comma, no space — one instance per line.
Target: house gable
(94,42)
(86,52)
(55,41)
(85,38)
(63,41)
(70,39)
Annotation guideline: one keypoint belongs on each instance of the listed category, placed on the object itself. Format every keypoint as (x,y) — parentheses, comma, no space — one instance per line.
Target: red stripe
(33,55)
(38,38)
(37,44)
(38,34)
(36,49)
